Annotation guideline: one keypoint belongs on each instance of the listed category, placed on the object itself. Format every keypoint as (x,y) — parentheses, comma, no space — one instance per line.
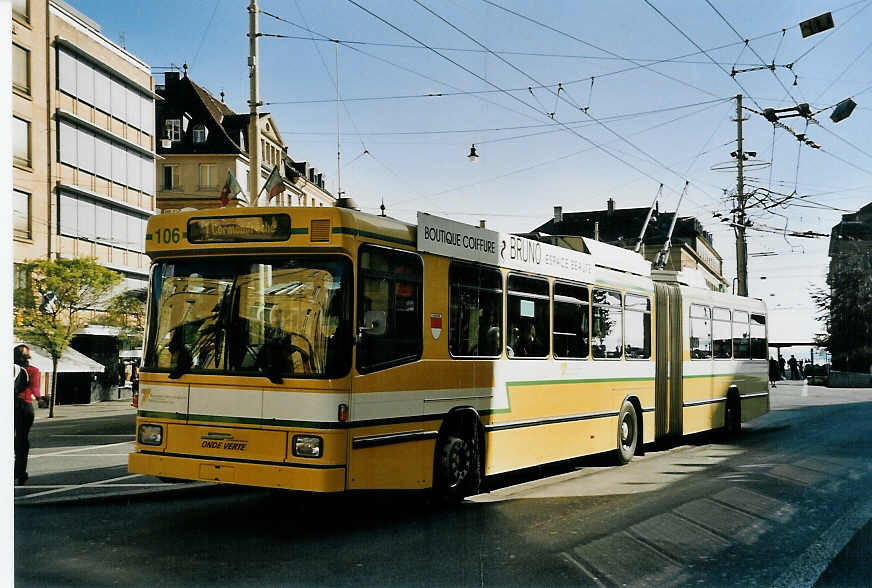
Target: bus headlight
(307,446)
(150,434)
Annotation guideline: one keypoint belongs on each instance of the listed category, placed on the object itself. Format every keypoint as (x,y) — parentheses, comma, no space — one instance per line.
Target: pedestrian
(780,367)
(23,411)
(773,371)
(794,371)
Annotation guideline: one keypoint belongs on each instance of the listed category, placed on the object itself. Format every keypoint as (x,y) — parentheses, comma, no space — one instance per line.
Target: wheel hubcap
(627,431)
(458,462)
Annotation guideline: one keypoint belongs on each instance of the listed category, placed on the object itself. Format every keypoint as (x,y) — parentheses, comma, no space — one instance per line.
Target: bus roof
(218,229)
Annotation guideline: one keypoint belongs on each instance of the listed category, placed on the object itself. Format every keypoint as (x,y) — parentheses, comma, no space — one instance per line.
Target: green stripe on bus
(357,232)
(762,376)
(153,414)
(582,381)
(207,418)
(300,231)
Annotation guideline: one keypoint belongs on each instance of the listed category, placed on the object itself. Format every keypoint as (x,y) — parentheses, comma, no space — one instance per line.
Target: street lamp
(843,110)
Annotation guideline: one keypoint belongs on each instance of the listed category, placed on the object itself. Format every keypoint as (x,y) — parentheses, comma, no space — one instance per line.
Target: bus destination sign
(252,228)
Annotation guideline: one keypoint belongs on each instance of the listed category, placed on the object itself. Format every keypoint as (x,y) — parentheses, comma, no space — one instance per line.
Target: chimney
(558,214)
(482,224)
(611,206)
(171,76)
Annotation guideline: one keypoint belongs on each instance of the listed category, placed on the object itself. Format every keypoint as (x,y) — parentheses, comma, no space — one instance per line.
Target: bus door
(668,377)
(387,447)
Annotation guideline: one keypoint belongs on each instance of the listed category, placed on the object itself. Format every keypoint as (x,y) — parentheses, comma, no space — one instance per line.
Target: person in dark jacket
(794,370)
(23,412)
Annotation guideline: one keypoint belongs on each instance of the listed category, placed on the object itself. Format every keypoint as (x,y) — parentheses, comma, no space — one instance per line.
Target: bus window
(700,332)
(741,335)
(527,328)
(281,317)
(571,321)
(388,308)
(475,319)
(637,327)
(608,319)
(722,333)
(758,337)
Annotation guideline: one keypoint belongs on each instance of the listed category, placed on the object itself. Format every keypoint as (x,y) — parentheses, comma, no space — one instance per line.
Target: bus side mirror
(374,323)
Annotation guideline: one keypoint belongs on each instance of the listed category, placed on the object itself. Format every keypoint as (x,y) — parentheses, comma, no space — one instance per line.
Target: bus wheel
(732,416)
(628,432)
(458,471)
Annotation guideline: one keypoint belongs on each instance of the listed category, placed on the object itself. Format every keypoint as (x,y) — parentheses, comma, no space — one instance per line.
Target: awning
(130,354)
(71,362)
(102,330)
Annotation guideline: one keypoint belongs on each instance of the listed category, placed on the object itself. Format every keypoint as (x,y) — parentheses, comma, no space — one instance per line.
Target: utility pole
(338,143)
(741,244)
(253,102)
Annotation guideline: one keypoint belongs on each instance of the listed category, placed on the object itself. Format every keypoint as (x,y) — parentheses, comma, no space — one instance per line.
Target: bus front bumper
(290,477)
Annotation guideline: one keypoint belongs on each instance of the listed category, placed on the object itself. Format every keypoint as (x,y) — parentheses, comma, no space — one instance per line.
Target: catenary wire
(396,28)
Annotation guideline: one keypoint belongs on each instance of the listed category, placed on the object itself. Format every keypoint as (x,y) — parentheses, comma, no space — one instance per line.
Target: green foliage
(846,310)
(127,311)
(61,296)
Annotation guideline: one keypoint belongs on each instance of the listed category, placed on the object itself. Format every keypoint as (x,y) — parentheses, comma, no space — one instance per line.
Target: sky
(568,104)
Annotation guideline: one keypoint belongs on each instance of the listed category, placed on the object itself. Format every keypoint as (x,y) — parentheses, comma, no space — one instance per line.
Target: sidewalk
(86,411)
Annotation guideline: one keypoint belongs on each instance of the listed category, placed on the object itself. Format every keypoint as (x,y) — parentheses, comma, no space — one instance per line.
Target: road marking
(86,448)
(127,435)
(94,455)
(809,566)
(68,488)
(72,486)
(577,565)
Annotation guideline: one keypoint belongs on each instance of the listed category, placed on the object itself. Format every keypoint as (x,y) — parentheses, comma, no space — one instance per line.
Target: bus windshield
(287,317)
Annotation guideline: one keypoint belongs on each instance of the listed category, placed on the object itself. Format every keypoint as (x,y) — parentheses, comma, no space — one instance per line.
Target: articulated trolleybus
(325,349)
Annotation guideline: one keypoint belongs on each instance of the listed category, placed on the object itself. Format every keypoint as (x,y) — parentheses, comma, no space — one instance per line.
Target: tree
(127,311)
(60,298)
(846,311)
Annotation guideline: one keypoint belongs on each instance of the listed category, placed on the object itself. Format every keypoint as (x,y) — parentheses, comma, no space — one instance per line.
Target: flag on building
(275,184)
(231,188)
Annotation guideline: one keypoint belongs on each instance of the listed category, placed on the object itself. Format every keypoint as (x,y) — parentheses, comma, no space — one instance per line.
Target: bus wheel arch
(640,444)
(629,432)
(458,462)
(733,412)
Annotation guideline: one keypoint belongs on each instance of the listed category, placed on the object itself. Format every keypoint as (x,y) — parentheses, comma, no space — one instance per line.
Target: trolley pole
(253,102)
(741,244)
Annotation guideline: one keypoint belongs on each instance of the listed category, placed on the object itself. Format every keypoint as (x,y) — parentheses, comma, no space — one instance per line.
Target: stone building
(83,145)
(202,139)
(850,280)
(691,246)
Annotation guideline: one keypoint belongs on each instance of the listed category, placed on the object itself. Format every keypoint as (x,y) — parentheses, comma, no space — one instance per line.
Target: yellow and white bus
(325,350)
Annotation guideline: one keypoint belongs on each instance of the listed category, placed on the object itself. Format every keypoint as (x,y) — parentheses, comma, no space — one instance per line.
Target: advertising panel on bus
(450,238)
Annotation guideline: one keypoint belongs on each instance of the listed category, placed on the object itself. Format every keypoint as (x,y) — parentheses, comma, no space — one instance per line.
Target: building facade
(691,246)
(202,139)
(849,312)
(83,164)
(83,156)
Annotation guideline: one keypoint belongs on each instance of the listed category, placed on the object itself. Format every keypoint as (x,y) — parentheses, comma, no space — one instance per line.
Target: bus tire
(628,432)
(458,468)
(733,415)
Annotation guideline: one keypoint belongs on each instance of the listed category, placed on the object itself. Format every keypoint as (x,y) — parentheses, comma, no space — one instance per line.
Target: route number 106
(167,236)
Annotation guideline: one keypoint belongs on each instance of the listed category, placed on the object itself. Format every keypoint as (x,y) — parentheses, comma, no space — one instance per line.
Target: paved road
(780,507)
